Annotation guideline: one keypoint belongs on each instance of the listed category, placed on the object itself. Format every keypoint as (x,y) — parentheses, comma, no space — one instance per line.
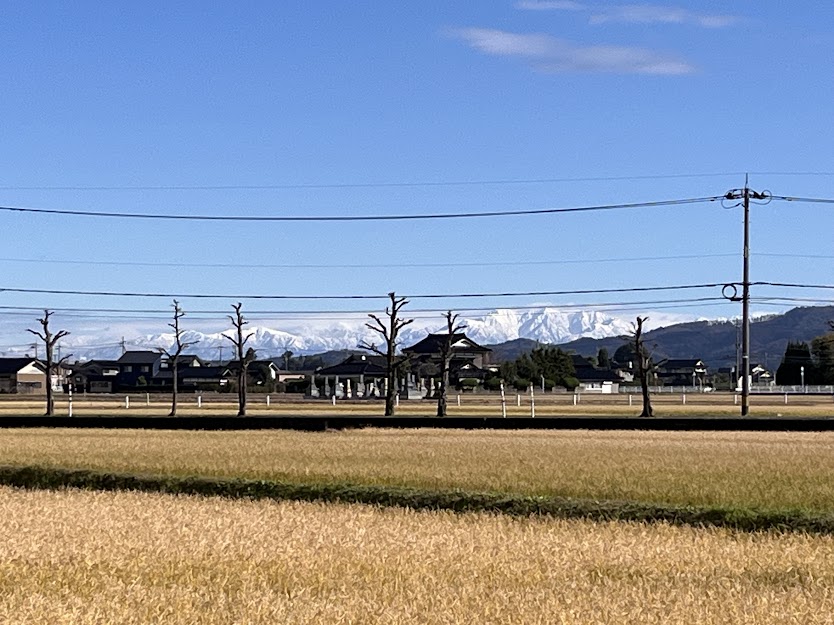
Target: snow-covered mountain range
(548,325)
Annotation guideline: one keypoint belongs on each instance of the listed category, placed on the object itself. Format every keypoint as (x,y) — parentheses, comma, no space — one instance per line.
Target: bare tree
(244,359)
(389,331)
(49,341)
(645,365)
(174,357)
(452,329)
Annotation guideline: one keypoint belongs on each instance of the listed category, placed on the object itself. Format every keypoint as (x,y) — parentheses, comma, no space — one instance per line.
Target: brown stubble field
(84,557)
(751,470)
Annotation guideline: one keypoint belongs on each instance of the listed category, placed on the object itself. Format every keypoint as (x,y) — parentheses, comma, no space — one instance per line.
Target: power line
(362,185)
(806,200)
(792,285)
(524,263)
(495,263)
(301,314)
(361,297)
(342,218)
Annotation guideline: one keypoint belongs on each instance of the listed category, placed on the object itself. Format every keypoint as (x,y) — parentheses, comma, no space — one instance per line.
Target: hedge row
(35,477)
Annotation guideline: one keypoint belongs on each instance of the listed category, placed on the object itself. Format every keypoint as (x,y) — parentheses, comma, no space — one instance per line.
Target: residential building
(26,376)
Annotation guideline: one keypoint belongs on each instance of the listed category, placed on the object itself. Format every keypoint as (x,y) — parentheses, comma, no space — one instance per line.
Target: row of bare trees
(387,327)
(245,356)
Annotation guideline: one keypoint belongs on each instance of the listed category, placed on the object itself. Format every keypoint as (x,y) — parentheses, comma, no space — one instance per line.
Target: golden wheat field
(761,470)
(92,557)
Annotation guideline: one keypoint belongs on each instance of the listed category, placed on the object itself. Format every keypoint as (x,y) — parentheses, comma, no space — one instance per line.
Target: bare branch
(38,334)
(371,347)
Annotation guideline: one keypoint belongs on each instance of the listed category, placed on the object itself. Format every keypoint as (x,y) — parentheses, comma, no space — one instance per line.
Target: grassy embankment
(744,480)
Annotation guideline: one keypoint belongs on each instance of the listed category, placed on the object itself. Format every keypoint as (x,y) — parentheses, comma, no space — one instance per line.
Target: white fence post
(127,401)
(532,402)
(503,402)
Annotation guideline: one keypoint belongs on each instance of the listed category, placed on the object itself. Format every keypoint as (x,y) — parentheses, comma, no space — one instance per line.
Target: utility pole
(123,346)
(745,195)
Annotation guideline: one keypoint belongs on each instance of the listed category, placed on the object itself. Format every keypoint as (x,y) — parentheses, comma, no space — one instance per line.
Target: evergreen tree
(797,355)
(603,359)
(625,354)
(822,349)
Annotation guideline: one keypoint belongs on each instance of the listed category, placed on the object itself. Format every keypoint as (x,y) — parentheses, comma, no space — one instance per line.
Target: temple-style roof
(433,344)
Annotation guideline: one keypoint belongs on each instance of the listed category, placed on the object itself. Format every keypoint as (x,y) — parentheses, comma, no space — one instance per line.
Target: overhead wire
(570,261)
(344,218)
(641,289)
(364,185)
(302,314)
(806,200)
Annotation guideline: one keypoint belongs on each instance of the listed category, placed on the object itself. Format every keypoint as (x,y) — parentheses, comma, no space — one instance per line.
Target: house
(191,378)
(468,359)
(137,369)
(682,372)
(262,373)
(359,375)
(95,376)
(594,380)
(26,376)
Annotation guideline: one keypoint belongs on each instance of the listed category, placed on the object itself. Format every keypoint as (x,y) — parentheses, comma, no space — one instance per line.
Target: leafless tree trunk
(244,358)
(452,328)
(173,357)
(389,334)
(644,366)
(49,340)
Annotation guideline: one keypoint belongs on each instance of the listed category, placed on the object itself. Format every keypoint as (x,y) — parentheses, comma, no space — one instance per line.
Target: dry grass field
(548,404)
(763,471)
(126,558)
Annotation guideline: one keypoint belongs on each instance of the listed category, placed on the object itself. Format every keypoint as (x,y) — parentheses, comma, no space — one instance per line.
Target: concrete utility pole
(745,195)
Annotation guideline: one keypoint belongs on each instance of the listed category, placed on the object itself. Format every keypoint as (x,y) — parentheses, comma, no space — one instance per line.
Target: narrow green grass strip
(36,477)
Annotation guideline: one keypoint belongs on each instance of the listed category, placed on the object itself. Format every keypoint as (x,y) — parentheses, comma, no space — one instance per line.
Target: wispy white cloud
(553,55)
(653,14)
(550,5)
(633,13)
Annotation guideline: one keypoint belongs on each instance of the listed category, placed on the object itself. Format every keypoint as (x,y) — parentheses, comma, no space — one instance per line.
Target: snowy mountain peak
(546,325)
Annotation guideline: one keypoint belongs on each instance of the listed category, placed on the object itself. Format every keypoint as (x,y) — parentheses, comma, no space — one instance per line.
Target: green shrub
(492,384)
(468,384)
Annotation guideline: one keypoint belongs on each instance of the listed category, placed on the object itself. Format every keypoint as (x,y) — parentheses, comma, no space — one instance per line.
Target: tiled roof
(139,358)
(433,344)
(13,365)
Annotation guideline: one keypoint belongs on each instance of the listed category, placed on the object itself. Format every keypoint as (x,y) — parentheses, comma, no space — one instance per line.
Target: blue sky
(320,108)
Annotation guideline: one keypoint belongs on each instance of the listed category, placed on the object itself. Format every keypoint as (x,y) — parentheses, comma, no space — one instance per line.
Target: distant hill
(714,342)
